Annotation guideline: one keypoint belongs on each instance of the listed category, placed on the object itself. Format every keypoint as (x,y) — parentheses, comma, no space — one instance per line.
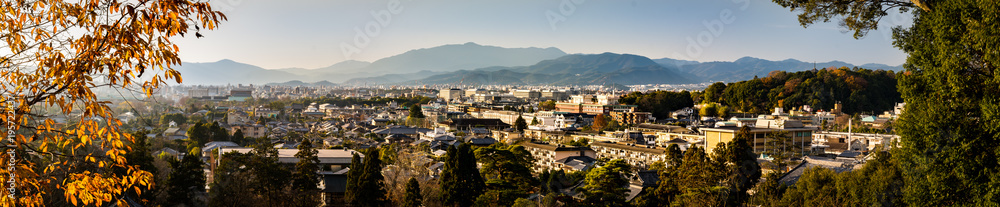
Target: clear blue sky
(309,33)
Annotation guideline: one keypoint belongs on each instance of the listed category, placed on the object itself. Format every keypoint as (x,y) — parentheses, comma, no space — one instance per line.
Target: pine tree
(415,112)
(520,124)
(368,188)
(413,198)
(461,182)
(187,180)
(741,164)
(607,185)
(353,189)
(534,120)
(304,179)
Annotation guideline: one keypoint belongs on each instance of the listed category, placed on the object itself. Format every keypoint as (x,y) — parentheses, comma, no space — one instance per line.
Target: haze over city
(313,33)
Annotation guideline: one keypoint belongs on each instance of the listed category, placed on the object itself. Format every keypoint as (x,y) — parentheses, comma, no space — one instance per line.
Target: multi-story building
(801,136)
(639,156)
(451,94)
(547,155)
(631,117)
(527,94)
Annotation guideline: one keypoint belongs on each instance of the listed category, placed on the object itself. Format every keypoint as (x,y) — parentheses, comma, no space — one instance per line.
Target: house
(215,145)
(575,163)
(380,122)
(175,133)
(398,138)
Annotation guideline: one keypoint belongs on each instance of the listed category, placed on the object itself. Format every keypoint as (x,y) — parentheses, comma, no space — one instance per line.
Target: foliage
(741,168)
(461,182)
(413,197)
(600,122)
(416,112)
(177,118)
(860,90)
(948,154)
(367,188)
(508,166)
(714,93)
(781,149)
(858,16)
(305,177)
(534,120)
(607,185)
(547,105)
(187,180)
(580,142)
(520,124)
(659,103)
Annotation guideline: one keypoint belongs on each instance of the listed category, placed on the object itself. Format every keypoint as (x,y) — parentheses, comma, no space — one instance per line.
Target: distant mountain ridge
(599,69)
(472,63)
(747,67)
(443,58)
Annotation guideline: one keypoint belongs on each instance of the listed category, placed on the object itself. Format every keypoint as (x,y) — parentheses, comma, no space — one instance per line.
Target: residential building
(547,155)
(637,155)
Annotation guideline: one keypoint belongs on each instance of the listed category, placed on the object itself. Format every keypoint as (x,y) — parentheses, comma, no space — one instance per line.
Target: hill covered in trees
(859,90)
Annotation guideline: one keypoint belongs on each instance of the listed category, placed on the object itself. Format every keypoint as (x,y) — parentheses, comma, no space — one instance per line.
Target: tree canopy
(57,54)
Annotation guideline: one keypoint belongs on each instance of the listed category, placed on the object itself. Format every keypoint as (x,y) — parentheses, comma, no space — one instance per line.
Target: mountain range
(475,64)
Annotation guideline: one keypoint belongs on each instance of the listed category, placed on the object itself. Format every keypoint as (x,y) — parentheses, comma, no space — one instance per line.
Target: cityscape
(521,103)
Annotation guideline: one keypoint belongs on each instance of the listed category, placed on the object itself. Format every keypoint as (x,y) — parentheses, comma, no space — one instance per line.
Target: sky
(319,33)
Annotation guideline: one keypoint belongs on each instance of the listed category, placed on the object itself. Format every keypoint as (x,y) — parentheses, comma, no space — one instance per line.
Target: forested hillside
(859,90)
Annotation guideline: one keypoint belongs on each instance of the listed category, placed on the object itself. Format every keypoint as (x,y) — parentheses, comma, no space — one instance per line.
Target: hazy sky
(312,33)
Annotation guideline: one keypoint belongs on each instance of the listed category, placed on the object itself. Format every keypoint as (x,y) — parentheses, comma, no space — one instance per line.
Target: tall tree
(741,166)
(372,187)
(187,180)
(305,177)
(415,112)
(599,123)
(461,182)
(413,197)
(947,154)
(520,124)
(607,185)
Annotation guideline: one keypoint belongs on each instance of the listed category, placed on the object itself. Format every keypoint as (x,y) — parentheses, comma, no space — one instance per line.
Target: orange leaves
(113,40)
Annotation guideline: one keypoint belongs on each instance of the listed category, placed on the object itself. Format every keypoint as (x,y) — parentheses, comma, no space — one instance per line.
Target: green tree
(607,185)
(368,189)
(534,120)
(741,167)
(709,110)
(187,180)
(780,148)
(697,180)
(142,157)
(547,105)
(415,112)
(305,177)
(177,118)
(520,124)
(714,92)
(413,197)
(461,182)
(507,170)
(238,137)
